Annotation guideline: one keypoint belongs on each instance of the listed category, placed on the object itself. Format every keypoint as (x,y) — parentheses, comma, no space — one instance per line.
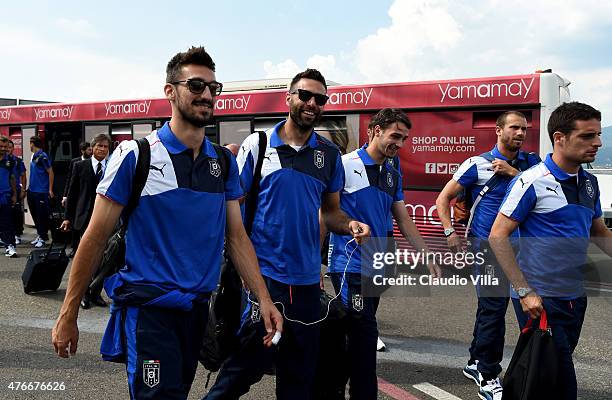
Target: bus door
(62,144)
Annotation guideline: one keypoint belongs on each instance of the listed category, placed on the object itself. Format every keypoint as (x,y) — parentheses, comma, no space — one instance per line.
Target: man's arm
(51,179)
(24,181)
(500,244)
(65,333)
(411,233)
(13,183)
(601,236)
(450,191)
(242,253)
(338,222)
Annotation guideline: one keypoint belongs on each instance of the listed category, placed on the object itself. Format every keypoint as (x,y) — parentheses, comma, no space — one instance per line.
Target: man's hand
(14,198)
(65,336)
(501,167)
(359,230)
(23,194)
(64,201)
(51,195)
(65,226)
(434,270)
(273,320)
(455,243)
(532,305)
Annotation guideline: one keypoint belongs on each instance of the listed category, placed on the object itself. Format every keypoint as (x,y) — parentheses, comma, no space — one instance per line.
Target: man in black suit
(80,201)
(85,149)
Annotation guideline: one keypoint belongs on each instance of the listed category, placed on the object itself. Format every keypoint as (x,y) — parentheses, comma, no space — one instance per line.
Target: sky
(85,51)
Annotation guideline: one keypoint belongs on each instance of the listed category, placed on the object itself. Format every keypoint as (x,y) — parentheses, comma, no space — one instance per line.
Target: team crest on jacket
(589,188)
(319,159)
(215,168)
(357,302)
(150,372)
(389,179)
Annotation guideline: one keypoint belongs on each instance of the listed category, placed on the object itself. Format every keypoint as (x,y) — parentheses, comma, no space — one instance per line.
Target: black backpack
(113,258)
(224,312)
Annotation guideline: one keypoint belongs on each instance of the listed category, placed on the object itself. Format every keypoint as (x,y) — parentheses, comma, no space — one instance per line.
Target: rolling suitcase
(44,269)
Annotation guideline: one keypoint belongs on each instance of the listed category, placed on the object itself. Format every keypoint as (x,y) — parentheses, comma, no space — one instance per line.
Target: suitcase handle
(51,248)
(543,323)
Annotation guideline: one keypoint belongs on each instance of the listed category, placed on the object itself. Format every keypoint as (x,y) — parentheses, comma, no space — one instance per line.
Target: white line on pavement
(435,391)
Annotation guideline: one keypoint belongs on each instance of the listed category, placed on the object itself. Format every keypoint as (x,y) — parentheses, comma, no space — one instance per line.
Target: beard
(195,118)
(295,112)
(510,145)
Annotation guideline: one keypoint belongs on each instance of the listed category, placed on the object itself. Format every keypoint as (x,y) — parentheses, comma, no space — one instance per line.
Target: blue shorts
(162,350)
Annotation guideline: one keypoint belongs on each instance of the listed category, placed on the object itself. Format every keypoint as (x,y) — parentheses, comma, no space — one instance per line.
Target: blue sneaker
(470,371)
(491,390)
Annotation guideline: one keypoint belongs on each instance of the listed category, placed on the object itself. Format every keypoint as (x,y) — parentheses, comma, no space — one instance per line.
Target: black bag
(219,337)
(533,371)
(331,374)
(44,269)
(113,258)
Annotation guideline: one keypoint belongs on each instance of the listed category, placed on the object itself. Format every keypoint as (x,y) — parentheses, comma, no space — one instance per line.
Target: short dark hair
(388,116)
(309,73)
(564,118)
(84,146)
(501,120)
(195,55)
(11,142)
(101,137)
(3,139)
(36,141)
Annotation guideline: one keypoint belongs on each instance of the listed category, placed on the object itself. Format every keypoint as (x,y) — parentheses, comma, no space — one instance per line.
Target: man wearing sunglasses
(301,174)
(174,243)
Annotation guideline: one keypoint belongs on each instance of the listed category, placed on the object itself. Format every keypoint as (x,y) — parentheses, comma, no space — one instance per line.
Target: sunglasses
(197,86)
(306,95)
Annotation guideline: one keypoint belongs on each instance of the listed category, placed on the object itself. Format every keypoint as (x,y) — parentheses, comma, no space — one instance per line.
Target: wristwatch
(449,231)
(524,291)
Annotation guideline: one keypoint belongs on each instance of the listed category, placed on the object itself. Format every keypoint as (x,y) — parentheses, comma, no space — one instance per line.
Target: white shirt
(94,164)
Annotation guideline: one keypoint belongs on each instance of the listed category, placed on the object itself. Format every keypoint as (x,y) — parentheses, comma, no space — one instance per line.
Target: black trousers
(295,356)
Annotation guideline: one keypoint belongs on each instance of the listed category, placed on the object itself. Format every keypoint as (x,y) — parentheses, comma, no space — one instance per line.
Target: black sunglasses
(306,95)
(197,86)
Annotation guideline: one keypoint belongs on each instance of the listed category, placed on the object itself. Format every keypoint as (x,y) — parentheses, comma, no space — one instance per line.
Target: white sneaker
(491,390)
(39,244)
(35,240)
(380,345)
(10,251)
(17,240)
(470,371)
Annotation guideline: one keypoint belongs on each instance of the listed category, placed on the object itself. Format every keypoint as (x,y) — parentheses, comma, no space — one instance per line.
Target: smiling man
(493,170)
(301,174)
(173,243)
(372,193)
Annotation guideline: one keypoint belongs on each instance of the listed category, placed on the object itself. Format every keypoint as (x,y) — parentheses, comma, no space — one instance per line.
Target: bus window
(92,130)
(234,131)
(263,124)
(340,130)
(141,130)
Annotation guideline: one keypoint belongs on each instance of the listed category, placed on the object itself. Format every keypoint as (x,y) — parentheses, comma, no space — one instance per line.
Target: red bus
(452,120)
